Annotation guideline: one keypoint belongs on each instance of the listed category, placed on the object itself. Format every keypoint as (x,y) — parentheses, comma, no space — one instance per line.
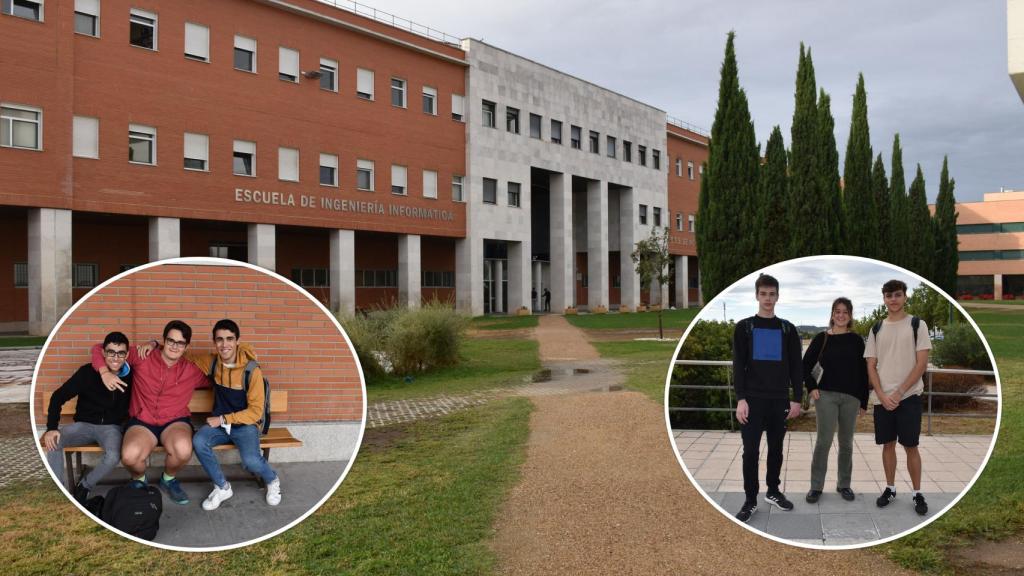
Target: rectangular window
(488,112)
(288,164)
(85,137)
(535,121)
(627,151)
(513,194)
(197,42)
(610,146)
(429,184)
(438,279)
(87,17)
(691,221)
(398,179)
(364,83)
(512,119)
(700,169)
(595,142)
(21,274)
(311,277)
(245,54)
(328,74)
(679,167)
(197,151)
(287,64)
(656,159)
(328,170)
(643,213)
(458,107)
(689,170)
(364,174)
(641,152)
(457,193)
(84,275)
(398,92)
(28,9)
(490,191)
(376,278)
(576,137)
(141,144)
(657,216)
(430,100)
(143,29)
(243,162)
(679,221)
(556,131)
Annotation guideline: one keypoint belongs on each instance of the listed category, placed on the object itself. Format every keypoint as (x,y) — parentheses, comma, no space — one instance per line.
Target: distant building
(991,236)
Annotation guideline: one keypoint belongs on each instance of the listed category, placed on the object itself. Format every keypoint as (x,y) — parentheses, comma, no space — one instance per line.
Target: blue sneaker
(174,491)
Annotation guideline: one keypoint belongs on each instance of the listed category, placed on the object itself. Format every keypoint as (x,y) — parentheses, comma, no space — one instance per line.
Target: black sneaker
(747,511)
(920,506)
(885,498)
(778,499)
(846,493)
(813,496)
(81,493)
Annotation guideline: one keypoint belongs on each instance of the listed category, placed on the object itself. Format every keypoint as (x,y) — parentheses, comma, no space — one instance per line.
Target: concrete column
(49,268)
(469,276)
(263,246)
(997,286)
(597,244)
(629,280)
(537,285)
(562,257)
(343,271)
(519,274)
(164,238)
(499,287)
(659,293)
(409,277)
(682,281)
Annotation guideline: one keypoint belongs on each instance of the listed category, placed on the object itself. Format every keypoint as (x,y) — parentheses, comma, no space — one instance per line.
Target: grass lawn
(487,363)
(18,341)
(672,319)
(503,322)
(646,364)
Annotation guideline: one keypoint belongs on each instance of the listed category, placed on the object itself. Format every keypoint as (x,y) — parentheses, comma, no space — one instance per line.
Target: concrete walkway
(16,366)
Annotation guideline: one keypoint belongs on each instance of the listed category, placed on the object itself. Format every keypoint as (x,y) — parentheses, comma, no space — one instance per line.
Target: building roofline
(687,137)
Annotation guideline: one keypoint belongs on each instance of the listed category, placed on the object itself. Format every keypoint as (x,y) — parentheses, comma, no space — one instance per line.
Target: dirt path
(561,341)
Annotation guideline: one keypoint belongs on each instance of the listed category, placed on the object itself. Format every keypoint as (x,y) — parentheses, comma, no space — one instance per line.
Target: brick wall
(683,193)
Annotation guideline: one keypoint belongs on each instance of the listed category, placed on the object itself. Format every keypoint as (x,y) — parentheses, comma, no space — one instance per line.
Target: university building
(373,163)
(991,246)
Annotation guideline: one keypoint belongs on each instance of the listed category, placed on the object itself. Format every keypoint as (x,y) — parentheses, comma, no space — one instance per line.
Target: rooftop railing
(688,126)
(394,21)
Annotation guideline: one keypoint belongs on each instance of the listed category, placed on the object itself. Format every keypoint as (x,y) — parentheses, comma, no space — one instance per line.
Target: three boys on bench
(160,387)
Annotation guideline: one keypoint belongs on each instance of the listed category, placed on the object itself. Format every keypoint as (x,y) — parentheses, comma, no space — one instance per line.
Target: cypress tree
(808,235)
(772,203)
(858,201)
(947,257)
(921,237)
(880,188)
(899,214)
(828,177)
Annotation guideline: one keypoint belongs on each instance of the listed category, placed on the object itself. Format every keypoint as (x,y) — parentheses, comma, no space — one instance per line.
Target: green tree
(921,241)
(947,256)
(806,234)
(828,177)
(773,242)
(880,188)
(928,305)
(899,213)
(859,211)
(652,259)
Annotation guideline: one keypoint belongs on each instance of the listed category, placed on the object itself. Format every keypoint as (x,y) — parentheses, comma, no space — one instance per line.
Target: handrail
(394,21)
(688,126)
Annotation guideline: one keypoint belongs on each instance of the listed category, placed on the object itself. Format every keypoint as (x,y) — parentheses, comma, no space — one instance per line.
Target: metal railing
(688,126)
(394,21)
(929,392)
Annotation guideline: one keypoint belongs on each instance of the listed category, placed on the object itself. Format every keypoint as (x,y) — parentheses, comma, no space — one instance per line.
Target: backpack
(249,367)
(915,322)
(749,325)
(134,511)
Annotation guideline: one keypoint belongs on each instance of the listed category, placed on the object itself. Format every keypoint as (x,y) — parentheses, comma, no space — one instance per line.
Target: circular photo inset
(833,402)
(198,404)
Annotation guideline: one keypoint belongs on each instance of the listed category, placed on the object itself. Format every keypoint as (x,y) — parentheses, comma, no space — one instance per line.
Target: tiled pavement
(948,464)
(401,411)
(19,460)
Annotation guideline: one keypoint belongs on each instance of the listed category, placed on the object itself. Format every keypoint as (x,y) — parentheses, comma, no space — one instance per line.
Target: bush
(407,341)
(961,347)
(707,341)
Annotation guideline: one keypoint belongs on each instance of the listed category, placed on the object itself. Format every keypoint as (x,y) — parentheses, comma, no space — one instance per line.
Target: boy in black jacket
(99,414)
(766,363)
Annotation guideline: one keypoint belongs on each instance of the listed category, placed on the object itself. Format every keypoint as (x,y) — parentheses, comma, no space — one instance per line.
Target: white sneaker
(218,495)
(274,492)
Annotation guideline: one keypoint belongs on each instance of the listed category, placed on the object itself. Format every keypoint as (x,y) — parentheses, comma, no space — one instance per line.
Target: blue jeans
(245,437)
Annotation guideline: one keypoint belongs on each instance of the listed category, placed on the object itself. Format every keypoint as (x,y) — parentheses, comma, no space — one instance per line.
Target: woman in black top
(839,396)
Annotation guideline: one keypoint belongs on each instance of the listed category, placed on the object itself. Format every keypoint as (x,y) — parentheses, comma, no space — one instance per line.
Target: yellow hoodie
(234,377)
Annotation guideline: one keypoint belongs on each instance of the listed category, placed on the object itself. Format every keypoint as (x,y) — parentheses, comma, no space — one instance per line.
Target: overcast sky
(935,70)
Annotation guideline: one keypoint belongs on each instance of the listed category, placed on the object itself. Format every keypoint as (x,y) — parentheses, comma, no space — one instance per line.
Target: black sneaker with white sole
(778,499)
(885,498)
(920,506)
(747,511)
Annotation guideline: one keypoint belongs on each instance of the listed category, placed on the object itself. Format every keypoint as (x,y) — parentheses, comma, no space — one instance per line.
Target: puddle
(541,376)
(581,370)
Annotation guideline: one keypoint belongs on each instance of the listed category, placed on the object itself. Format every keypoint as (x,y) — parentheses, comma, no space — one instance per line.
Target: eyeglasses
(120,354)
(171,343)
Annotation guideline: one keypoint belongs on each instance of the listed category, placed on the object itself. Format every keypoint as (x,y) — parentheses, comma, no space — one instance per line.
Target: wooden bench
(200,404)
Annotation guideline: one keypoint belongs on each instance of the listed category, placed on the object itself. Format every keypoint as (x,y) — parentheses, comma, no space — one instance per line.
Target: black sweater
(843,363)
(766,359)
(96,404)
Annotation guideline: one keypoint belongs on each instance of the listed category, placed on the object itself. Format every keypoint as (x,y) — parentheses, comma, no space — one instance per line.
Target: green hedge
(707,341)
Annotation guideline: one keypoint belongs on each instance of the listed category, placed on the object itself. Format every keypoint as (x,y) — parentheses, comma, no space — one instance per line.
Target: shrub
(961,347)
(707,341)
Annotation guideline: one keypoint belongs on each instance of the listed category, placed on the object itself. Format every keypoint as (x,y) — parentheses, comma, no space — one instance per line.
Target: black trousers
(766,416)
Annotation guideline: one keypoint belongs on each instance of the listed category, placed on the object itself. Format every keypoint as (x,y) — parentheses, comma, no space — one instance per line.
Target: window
(85,137)
(197,151)
(556,132)
(376,278)
(364,83)
(311,277)
(679,221)
(84,275)
(513,194)
(328,75)
(488,110)
(575,137)
(197,42)
(691,222)
(595,142)
(287,64)
(610,146)
(364,174)
(141,144)
(457,193)
(512,119)
(438,279)
(398,179)
(28,9)
(641,152)
(643,213)
(430,100)
(679,167)
(398,92)
(700,169)
(231,250)
(689,170)
(87,17)
(657,216)
(328,170)
(21,274)
(245,54)
(656,159)
(490,191)
(288,164)
(458,107)
(535,121)
(429,184)
(244,161)
(143,29)
(627,151)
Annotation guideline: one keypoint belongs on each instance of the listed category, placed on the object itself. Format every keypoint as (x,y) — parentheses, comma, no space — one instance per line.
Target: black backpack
(915,322)
(249,367)
(134,511)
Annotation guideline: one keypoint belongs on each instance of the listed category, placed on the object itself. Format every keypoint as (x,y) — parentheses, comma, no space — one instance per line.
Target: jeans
(765,416)
(108,436)
(834,409)
(245,437)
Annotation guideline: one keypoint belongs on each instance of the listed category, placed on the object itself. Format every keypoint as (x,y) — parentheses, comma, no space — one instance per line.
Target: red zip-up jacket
(160,393)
